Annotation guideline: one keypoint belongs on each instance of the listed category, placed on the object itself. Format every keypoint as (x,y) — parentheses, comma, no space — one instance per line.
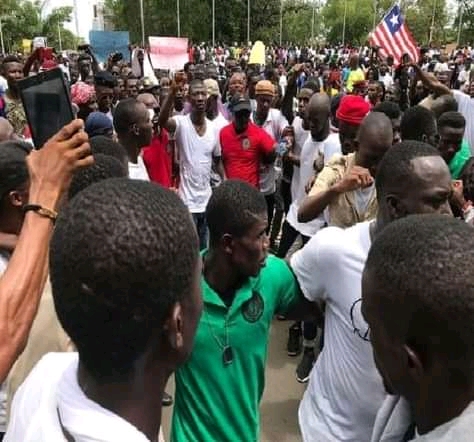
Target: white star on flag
(394,20)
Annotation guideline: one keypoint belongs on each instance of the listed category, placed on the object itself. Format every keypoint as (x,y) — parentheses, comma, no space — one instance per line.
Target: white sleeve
(308,266)
(460,97)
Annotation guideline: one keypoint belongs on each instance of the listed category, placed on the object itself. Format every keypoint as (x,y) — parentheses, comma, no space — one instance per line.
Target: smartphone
(47,104)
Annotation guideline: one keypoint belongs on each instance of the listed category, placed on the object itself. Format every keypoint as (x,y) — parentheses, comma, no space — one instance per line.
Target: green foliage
(467,23)
(360,19)
(24,20)
(231,19)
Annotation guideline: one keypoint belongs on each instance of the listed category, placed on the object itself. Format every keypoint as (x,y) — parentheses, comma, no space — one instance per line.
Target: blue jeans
(201,227)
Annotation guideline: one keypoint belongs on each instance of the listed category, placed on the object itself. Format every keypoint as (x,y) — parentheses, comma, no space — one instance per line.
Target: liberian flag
(394,38)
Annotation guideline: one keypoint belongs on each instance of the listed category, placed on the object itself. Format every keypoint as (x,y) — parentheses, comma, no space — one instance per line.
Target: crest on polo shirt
(245,144)
(252,309)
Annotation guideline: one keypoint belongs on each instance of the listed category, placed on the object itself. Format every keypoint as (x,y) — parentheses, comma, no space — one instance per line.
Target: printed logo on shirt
(252,309)
(245,144)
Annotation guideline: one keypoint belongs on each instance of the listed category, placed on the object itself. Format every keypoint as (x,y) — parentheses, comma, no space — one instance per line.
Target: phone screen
(47,104)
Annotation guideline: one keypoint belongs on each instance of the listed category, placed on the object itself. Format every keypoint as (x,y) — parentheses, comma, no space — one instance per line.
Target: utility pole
(142,21)
(1,36)
(461,10)
(178,18)
(248,21)
(432,21)
(344,23)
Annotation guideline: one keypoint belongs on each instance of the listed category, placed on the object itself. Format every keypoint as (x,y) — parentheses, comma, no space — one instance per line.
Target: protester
(134,131)
(345,391)
(198,144)
(98,124)
(218,390)
(422,349)
(110,389)
(12,69)
(345,187)
(245,145)
(50,171)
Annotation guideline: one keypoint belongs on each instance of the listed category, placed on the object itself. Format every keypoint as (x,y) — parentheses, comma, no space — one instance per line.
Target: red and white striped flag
(394,38)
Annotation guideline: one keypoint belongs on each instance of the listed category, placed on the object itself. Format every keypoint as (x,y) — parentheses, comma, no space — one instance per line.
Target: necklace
(227,352)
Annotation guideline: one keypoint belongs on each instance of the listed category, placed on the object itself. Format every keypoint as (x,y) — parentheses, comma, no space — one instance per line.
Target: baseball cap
(239,103)
(212,87)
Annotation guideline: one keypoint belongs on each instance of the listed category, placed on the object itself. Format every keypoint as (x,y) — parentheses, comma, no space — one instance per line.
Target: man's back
(345,389)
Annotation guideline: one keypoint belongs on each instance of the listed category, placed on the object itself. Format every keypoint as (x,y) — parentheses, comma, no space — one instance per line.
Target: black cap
(239,103)
(105,78)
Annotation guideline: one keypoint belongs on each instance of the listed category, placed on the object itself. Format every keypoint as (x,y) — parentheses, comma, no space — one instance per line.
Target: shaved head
(375,125)
(317,116)
(374,138)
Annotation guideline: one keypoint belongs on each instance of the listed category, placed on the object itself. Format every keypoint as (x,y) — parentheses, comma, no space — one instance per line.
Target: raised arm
(21,285)
(431,82)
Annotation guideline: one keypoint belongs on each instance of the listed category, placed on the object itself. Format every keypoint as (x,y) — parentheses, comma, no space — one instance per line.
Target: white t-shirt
(387,80)
(4,258)
(310,151)
(345,389)
(51,390)
(273,126)
(138,171)
(466,107)
(301,135)
(195,161)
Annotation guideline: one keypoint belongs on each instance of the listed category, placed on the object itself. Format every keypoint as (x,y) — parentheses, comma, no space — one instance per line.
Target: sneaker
(167,400)
(295,340)
(306,364)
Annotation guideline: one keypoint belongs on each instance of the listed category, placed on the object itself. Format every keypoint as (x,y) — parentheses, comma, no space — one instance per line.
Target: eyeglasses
(359,326)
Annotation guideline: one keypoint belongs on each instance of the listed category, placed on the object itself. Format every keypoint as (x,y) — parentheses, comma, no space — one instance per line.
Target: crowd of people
(328,187)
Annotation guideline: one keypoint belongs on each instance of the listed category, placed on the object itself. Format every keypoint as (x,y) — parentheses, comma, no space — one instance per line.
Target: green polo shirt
(219,402)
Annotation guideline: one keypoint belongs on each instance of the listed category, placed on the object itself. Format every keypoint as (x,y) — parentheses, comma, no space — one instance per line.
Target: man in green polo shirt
(218,390)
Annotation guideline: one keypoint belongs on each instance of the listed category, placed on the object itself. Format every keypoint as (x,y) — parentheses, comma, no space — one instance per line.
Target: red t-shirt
(157,159)
(241,154)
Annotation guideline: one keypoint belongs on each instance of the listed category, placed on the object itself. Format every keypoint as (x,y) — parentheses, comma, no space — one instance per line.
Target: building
(87,15)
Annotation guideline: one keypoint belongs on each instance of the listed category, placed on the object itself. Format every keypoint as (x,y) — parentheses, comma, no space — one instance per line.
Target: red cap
(352,109)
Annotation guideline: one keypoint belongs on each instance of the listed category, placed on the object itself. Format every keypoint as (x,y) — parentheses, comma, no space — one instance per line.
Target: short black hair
(196,83)
(395,168)
(422,268)
(416,122)
(389,108)
(312,85)
(125,115)
(452,119)
(123,252)
(13,168)
(101,144)
(104,167)
(11,59)
(232,209)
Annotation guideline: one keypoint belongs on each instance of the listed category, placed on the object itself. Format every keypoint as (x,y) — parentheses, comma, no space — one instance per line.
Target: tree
(419,17)
(25,20)
(360,18)
(467,22)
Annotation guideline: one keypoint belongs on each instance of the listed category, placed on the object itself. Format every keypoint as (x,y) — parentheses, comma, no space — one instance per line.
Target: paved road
(279,407)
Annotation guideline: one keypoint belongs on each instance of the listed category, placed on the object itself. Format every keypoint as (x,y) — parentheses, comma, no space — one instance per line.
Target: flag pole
(248,21)
(344,23)
(178,19)
(281,21)
(213,23)
(432,21)
(461,10)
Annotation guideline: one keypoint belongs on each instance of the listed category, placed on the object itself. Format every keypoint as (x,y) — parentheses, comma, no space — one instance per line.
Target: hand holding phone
(47,104)
(51,168)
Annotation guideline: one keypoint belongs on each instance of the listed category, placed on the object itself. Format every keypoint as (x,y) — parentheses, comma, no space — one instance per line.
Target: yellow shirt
(354,77)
